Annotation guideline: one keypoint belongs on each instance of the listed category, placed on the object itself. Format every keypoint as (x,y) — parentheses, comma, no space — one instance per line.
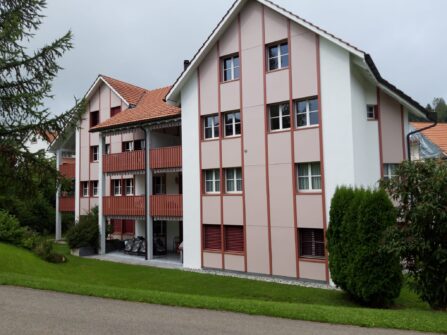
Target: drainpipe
(432,116)
(145,192)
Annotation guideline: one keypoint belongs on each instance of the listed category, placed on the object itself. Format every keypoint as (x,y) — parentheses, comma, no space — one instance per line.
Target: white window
(230,68)
(95,188)
(117,187)
(85,191)
(232,122)
(306,112)
(212,181)
(129,186)
(309,176)
(107,149)
(278,56)
(94,153)
(128,146)
(279,117)
(371,112)
(389,170)
(233,180)
(211,126)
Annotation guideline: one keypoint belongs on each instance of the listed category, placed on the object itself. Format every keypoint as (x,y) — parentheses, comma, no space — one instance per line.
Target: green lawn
(181,288)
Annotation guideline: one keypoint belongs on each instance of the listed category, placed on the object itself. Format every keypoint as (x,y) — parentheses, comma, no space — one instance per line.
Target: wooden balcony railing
(124,205)
(167,205)
(68,170)
(167,157)
(124,161)
(66,204)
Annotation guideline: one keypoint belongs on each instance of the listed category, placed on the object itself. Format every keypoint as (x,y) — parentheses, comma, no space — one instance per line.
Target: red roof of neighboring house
(131,93)
(150,106)
(437,135)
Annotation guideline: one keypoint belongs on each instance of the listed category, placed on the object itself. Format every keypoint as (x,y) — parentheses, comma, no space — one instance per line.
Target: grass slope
(180,288)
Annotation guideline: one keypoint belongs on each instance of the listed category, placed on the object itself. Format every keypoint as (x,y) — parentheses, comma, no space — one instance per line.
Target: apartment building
(275,114)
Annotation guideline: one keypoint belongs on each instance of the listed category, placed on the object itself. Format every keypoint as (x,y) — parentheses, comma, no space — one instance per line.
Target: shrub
(44,249)
(420,189)
(360,263)
(86,232)
(10,229)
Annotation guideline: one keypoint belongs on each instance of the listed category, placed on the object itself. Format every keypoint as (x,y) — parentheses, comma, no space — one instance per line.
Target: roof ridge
(122,81)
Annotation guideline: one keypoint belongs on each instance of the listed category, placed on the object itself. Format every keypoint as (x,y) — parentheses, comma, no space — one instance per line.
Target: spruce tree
(25,83)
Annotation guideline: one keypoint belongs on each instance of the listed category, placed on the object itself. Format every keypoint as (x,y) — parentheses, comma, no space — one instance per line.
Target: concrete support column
(101,192)
(149,221)
(58,235)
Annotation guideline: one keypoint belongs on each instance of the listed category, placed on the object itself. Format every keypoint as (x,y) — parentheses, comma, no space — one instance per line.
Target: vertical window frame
(234,179)
(215,133)
(212,176)
(279,55)
(233,124)
(308,176)
(85,189)
(307,113)
(374,112)
(95,189)
(117,186)
(130,186)
(281,116)
(94,154)
(231,69)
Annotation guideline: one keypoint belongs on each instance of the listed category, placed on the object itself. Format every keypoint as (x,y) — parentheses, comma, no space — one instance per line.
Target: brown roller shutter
(234,238)
(311,242)
(212,237)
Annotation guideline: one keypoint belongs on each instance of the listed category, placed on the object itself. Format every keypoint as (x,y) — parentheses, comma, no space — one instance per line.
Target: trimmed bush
(86,232)
(360,262)
(10,229)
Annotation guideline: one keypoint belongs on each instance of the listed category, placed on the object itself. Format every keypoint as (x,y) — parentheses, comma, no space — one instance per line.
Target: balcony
(168,205)
(66,204)
(124,206)
(165,158)
(67,169)
(123,161)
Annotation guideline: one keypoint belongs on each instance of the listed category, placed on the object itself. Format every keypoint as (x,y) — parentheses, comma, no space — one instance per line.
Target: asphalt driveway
(25,311)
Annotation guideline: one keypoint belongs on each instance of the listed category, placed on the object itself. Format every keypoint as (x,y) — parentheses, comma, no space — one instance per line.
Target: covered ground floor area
(131,239)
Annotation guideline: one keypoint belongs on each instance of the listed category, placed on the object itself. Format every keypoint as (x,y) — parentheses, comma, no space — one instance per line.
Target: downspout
(145,192)
(432,116)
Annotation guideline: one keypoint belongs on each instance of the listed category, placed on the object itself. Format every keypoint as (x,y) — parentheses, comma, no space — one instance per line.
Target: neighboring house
(275,114)
(430,143)
(40,142)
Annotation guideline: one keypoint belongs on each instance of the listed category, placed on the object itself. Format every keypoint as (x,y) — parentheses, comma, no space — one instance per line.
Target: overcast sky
(144,42)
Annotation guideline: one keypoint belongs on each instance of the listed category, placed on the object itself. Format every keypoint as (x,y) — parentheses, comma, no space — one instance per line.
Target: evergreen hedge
(359,260)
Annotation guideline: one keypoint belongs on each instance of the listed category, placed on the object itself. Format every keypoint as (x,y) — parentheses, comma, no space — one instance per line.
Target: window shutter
(311,242)
(117,226)
(212,236)
(234,238)
(128,226)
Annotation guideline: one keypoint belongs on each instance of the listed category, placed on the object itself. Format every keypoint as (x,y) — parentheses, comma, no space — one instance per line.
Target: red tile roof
(150,106)
(131,93)
(437,135)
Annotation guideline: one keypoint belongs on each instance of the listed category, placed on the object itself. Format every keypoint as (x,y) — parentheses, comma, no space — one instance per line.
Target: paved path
(26,311)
